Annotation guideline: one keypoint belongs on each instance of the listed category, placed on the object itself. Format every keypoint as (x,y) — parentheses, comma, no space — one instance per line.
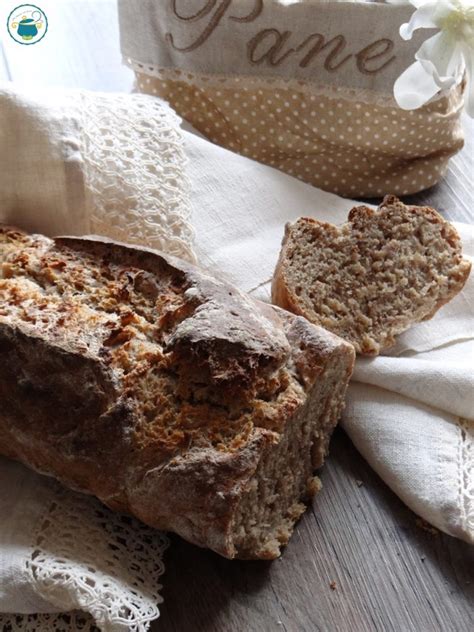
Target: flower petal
(444,8)
(443,83)
(444,54)
(414,87)
(422,18)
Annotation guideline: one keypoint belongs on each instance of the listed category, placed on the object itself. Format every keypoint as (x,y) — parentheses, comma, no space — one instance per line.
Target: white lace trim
(101,568)
(243,82)
(134,169)
(466,475)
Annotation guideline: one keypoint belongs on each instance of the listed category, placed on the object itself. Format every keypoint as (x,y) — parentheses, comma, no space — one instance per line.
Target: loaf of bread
(166,393)
(373,277)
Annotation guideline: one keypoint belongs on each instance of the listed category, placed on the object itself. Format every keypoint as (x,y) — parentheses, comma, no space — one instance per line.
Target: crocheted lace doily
(100,567)
(134,162)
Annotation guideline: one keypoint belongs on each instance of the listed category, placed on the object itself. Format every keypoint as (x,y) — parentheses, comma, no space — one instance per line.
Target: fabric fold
(423,454)
(446,384)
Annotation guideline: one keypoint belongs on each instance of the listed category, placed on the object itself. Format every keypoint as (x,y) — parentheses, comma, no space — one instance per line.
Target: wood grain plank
(454,195)
(390,575)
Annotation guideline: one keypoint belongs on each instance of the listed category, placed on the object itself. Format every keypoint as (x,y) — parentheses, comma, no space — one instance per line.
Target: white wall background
(81,48)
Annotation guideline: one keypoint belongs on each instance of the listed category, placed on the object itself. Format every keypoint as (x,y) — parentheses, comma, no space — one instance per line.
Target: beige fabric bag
(303,86)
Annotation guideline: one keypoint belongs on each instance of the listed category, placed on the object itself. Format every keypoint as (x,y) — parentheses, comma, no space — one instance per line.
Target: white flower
(442,60)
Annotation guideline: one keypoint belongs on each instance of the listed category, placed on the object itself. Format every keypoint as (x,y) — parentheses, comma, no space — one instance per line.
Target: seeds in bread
(373,277)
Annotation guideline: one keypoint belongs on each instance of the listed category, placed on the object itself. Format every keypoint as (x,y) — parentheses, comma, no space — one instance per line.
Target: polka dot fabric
(340,144)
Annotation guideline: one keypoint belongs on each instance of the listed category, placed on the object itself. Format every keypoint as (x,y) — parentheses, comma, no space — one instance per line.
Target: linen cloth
(410,413)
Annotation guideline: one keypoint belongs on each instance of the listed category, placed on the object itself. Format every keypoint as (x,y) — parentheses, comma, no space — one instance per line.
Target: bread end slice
(373,277)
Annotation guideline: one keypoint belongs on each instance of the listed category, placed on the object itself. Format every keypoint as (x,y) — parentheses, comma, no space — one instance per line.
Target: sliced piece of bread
(373,277)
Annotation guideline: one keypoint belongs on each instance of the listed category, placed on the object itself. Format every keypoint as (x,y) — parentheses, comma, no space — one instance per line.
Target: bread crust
(69,410)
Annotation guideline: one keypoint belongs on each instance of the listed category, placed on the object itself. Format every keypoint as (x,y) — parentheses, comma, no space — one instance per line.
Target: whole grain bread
(165,392)
(373,277)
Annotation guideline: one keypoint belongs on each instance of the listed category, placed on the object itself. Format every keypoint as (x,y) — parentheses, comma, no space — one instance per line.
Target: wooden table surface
(389,573)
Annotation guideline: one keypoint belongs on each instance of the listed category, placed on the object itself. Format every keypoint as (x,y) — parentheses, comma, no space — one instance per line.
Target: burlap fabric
(304,87)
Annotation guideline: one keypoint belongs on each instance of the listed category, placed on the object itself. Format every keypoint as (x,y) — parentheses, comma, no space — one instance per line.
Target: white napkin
(239,209)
